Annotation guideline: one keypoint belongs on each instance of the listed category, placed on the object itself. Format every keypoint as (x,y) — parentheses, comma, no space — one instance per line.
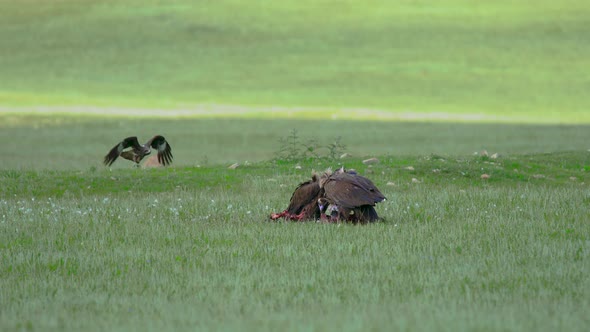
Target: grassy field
(80,143)
(190,248)
(499,59)
(83,247)
(274,86)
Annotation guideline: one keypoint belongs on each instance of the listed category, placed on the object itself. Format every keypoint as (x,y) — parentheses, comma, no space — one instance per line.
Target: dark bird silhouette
(138,151)
(304,202)
(347,196)
(340,196)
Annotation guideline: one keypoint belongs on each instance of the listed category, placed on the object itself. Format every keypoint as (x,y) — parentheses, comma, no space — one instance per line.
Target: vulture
(347,196)
(138,151)
(304,202)
(341,196)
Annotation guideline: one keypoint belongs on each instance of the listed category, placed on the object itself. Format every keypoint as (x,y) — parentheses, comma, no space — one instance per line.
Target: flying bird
(138,151)
(347,196)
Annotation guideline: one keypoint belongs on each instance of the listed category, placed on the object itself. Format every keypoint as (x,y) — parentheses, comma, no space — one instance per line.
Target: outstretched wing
(110,158)
(351,191)
(164,149)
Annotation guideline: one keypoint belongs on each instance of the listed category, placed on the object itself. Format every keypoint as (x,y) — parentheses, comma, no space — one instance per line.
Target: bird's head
(323,204)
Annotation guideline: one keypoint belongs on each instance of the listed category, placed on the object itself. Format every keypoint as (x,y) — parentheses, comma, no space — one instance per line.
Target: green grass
(80,143)
(84,247)
(191,248)
(501,59)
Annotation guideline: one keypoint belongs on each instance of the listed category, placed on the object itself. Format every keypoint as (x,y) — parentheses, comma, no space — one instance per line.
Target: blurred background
(77,76)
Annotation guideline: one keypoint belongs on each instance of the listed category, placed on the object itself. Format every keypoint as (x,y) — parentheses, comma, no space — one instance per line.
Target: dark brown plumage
(340,196)
(139,151)
(304,202)
(350,197)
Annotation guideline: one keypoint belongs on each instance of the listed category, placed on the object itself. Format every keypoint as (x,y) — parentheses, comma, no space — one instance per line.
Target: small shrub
(293,147)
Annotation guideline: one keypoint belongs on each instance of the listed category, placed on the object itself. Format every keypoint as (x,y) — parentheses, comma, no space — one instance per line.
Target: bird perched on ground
(138,151)
(304,202)
(347,196)
(340,196)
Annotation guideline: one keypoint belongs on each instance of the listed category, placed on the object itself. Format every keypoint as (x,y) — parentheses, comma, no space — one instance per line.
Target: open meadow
(506,59)
(85,247)
(468,241)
